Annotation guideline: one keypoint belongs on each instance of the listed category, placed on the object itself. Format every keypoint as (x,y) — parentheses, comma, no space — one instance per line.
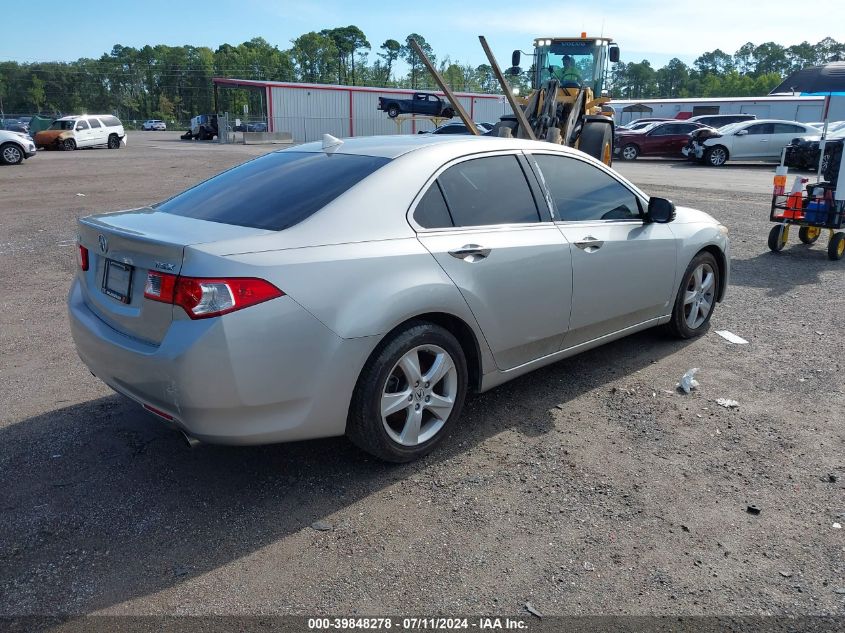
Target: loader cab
(575,62)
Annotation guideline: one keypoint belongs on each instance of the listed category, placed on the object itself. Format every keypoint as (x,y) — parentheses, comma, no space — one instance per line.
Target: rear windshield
(275,191)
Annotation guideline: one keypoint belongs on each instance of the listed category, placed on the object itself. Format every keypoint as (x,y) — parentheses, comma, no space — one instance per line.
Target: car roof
(73,117)
(396,145)
(774,121)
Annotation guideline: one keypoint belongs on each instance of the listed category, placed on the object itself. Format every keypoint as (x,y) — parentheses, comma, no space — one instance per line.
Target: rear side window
(94,123)
(788,128)
(761,128)
(111,121)
(486,191)
(275,191)
(583,192)
(432,212)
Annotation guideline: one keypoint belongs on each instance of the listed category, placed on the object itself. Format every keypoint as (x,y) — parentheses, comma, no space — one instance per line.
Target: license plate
(117,280)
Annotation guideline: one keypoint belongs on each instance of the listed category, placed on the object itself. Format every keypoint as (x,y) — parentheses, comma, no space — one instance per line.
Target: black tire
(114,141)
(716,156)
(809,234)
(836,246)
(597,141)
(504,123)
(11,154)
(365,426)
(67,145)
(393,111)
(678,325)
(630,152)
(448,113)
(777,238)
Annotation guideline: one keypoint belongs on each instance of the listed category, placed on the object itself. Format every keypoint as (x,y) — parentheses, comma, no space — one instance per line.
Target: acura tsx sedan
(363,287)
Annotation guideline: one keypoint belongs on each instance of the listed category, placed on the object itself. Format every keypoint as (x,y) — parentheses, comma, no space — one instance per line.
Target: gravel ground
(589,487)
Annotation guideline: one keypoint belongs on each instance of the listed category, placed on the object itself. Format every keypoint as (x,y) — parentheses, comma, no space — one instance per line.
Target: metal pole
(468,122)
(517,109)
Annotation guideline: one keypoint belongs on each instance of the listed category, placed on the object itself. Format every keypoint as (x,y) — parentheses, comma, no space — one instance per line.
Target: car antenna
(331,143)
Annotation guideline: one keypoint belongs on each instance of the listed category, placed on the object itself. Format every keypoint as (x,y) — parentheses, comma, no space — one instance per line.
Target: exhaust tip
(192,442)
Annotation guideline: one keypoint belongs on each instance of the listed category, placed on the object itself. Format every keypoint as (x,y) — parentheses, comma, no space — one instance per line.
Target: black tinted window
(583,192)
(94,123)
(431,212)
(787,128)
(81,125)
(488,191)
(275,191)
(111,121)
(760,128)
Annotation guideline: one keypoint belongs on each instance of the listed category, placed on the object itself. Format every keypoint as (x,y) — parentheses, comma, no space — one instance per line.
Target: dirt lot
(589,487)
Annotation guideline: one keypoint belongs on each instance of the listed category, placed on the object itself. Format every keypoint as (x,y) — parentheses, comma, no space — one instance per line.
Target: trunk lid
(123,247)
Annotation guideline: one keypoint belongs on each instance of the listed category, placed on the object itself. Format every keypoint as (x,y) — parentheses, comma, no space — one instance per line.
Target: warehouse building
(307,111)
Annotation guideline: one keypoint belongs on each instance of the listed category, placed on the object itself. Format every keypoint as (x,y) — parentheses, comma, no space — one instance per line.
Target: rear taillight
(203,298)
(83,257)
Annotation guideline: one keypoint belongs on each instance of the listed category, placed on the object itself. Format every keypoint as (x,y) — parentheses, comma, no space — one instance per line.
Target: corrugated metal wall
(308,113)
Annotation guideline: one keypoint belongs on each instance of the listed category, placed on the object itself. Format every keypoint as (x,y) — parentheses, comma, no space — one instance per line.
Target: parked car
(14,125)
(258,307)
(88,130)
(762,139)
(803,151)
(255,126)
(457,127)
(154,124)
(15,147)
(420,103)
(721,120)
(658,139)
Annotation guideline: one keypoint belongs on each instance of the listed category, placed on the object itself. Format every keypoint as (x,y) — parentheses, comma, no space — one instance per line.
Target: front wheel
(778,237)
(597,141)
(716,156)
(696,298)
(409,393)
(630,152)
(836,246)
(68,145)
(114,141)
(11,154)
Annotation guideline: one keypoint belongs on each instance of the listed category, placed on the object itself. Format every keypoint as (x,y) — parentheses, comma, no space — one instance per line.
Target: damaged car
(803,151)
(76,132)
(762,140)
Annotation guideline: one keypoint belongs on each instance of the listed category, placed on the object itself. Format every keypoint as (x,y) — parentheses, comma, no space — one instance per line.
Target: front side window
(486,191)
(582,192)
(275,191)
(81,125)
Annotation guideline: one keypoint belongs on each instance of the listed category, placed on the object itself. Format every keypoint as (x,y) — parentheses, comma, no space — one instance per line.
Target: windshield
(62,125)
(730,128)
(572,62)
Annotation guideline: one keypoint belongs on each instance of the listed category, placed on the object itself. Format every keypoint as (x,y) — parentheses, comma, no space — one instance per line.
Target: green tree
(390,53)
(36,92)
(417,69)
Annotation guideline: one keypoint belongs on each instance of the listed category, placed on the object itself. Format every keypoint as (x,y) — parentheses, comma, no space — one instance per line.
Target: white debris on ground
(688,382)
(727,403)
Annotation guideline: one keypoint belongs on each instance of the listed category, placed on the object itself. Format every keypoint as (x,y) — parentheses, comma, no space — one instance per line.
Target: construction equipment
(565,105)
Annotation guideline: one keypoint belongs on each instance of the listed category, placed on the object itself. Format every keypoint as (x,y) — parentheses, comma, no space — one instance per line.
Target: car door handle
(470,253)
(590,244)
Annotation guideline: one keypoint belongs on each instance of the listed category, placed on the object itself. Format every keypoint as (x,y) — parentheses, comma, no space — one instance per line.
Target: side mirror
(660,210)
(516,57)
(741,133)
(613,52)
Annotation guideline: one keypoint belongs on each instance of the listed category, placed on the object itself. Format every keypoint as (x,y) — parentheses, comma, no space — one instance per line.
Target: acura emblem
(104,244)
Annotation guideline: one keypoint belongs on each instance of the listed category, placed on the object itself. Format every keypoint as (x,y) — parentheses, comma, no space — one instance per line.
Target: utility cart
(813,207)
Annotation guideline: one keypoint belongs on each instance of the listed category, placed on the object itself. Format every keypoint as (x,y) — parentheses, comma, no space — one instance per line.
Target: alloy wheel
(629,152)
(717,156)
(699,296)
(12,155)
(419,395)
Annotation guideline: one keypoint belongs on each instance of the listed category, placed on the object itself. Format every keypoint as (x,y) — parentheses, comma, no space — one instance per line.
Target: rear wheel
(448,113)
(778,237)
(696,298)
(836,246)
(809,234)
(68,145)
(409,393)
(630,152)
(597,141)
(11,154)
(393,111)
(716,156)
(114,141)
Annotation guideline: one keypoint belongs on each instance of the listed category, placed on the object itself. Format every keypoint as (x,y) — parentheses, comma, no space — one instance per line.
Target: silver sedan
(364,287)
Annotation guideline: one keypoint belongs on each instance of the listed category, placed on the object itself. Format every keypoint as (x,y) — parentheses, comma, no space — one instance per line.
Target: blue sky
(645,29)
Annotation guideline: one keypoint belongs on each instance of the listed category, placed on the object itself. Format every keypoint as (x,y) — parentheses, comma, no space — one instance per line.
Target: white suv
(154,124)
(87,130)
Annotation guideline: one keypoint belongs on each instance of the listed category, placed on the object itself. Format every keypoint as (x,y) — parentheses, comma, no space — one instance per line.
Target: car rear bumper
(269,373)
